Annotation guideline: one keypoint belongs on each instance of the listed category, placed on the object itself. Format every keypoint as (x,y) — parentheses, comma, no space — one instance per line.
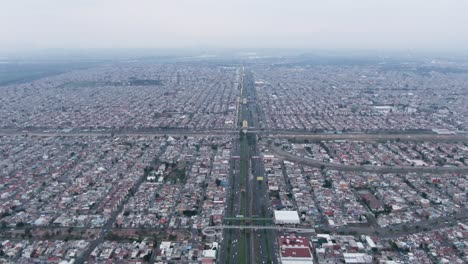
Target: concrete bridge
(213,230)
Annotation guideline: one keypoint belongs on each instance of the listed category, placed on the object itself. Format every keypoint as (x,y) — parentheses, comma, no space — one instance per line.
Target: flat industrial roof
(286,216)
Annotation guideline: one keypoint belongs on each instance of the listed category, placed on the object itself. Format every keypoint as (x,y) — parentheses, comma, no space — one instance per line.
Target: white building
(286,217)
(357,258)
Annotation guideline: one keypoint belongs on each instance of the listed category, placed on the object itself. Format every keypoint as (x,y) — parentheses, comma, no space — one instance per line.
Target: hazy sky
(325,24)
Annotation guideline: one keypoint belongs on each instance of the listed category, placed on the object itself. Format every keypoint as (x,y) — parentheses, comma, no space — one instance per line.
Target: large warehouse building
(286,218)
(295,250)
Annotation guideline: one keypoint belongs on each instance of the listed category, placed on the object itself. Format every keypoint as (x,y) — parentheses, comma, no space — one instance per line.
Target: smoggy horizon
(332,25)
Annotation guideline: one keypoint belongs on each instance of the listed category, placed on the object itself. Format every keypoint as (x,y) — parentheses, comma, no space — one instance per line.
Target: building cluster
(82,181)
(131,96)
(301,191)
(69,181)
(186,252)
(150,182)
(413,198)
(327,249)
(343,249)
(185,188)
(349,198)
(104,190)
(42,251)
(428,154)
(119,252)
(361,97)
(446,245)
(318,196)
(338,199)
(214,203)
(277,185)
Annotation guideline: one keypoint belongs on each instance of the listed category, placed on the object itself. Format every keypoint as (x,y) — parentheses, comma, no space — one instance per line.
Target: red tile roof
(296,252)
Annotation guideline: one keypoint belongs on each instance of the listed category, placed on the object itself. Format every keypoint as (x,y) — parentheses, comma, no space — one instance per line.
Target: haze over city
(337,24)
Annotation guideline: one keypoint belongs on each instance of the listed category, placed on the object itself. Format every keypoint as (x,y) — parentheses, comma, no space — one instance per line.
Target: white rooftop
(357,258)
(286,216)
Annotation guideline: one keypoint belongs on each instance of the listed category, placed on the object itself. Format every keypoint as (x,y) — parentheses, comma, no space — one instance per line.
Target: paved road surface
(369,168)
(213,230)
(291,134)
